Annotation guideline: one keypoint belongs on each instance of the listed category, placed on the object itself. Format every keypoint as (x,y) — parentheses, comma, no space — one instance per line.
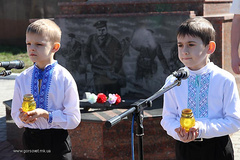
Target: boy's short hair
(197,27)
(46,27)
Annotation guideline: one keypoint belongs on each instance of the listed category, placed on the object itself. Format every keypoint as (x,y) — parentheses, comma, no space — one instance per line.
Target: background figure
(174,63)
(74,52)
(144,42)
(103,56)
(43,8)
(125,44)
(235,36)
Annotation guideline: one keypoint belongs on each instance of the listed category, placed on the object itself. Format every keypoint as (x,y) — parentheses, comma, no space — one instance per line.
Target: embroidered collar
(41,97)
(204,70)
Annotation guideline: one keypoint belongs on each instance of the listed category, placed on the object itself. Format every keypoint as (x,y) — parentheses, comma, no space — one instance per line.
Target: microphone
(12,64)
(182,73)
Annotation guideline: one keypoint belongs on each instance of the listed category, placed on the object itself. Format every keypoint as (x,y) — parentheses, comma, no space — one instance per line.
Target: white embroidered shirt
(58,94)
(212,94)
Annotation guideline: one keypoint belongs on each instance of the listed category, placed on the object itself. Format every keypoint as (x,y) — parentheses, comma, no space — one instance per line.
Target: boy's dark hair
(197,27)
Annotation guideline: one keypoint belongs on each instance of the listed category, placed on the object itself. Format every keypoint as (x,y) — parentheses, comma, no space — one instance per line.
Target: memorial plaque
(127,54)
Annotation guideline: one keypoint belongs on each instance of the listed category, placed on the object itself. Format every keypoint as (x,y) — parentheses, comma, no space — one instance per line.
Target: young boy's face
(192,52)
(39,49)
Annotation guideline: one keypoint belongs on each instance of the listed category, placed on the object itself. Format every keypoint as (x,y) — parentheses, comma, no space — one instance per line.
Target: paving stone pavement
(8,152)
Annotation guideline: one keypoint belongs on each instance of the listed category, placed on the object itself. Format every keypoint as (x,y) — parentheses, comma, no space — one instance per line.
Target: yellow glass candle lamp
(29,103)
(187,119)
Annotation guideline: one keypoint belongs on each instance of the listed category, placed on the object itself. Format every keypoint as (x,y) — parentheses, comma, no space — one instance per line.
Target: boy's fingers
(32,113)
(191,136)
(177,130)
(183,132)
(31,119)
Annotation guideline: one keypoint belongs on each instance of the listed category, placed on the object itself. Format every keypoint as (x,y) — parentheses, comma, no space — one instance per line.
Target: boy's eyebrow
(192,42)
(189,42)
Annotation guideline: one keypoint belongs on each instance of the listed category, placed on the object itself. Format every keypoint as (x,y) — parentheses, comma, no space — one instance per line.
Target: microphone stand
(138,108)
(5,73)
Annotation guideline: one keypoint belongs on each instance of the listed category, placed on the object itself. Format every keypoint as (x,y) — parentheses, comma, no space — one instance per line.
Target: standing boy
(210,92)
(55,92)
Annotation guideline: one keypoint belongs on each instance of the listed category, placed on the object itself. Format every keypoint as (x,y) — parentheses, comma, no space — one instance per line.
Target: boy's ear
(56,47)
(211,47)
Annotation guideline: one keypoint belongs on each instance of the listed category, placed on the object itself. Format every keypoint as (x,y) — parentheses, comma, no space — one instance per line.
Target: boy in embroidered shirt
(209,91)
(55,93)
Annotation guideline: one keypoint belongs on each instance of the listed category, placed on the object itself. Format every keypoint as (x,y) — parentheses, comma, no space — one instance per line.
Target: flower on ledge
(112,98)
(91,97)
(118,99)
(102,98)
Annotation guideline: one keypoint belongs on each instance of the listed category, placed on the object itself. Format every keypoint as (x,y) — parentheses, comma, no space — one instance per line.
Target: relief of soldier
(103,55)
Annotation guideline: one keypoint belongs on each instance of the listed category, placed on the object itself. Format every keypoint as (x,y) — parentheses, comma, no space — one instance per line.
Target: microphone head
(185,72)
(182,73)
(21,65)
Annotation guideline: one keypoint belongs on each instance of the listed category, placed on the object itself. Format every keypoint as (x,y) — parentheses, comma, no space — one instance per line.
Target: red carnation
(118,99)
(101,98)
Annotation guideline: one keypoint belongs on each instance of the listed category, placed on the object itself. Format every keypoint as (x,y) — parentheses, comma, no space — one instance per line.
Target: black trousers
(49,144)
(219,148)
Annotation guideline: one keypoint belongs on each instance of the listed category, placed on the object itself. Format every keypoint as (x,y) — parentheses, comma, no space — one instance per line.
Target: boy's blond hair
(46,27)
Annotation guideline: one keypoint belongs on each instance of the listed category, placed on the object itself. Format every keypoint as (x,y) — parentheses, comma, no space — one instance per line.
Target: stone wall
(15,15)
(200,7)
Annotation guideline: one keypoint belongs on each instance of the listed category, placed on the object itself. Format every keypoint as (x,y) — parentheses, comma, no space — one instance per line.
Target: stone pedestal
(92,140)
